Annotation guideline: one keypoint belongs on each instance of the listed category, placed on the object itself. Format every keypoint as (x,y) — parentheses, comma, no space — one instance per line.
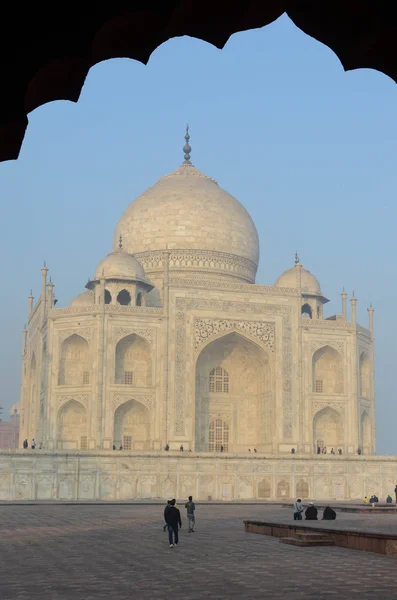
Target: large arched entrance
(233,396)
(132,426)
(72,426)
(328,430)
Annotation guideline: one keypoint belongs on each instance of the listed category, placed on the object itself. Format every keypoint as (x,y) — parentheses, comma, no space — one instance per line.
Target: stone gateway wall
(115,475)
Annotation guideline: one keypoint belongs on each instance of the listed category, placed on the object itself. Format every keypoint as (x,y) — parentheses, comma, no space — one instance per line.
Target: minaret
(44,272)
(24,339)
(50,294)
(353,301)
(344,297)
(30,303)
(371,318)
(186,148)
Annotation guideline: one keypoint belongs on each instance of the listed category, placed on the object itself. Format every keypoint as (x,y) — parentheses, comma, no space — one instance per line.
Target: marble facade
(173,343)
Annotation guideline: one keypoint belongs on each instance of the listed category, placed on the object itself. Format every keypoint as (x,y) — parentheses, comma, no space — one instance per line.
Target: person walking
(33,444)
(190,508)
(395,491)
(165,512)
(173,518)
(298,510)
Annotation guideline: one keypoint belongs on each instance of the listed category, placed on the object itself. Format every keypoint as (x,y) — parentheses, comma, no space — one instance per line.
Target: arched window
(327,369)
(139,299)
(133,362)
(124,298)
(219,381)
(283,489)
(264,489)
(108,297)
(306,311)
(72,426)
(218,436)
(364,376)
(74,364)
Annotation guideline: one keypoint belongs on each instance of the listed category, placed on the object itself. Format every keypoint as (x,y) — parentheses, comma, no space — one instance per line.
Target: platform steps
(305,539)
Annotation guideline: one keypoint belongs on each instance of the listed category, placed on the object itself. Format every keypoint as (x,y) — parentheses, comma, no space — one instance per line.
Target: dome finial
(121,242)
(186,148)
(296,258)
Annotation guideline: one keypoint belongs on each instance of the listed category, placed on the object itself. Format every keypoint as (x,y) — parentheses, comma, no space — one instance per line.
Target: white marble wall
(41,475)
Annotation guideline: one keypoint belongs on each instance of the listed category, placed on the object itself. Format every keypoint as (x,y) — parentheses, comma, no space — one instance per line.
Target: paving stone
(120,552)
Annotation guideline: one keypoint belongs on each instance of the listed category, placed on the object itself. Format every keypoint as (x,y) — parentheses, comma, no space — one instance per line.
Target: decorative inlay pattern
(120,332)
(84,332)
(185,304)
(64,398)
(199,260)
(338,406)
(205,329)
(335,344)
(95,309)
(196,282)
(145,399)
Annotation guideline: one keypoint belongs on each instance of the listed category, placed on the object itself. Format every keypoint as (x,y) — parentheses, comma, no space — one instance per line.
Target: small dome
(120,265)
(309,283)
(84,299)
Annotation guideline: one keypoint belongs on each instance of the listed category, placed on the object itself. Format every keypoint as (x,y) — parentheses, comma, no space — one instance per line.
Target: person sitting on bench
(329,514)
(311,512)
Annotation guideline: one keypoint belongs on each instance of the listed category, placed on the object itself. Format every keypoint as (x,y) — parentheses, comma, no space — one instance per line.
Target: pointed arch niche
(74,363)
(327,370)
(32,395)
(72,426)
(365,433)
(328,430)
(132,426)
(133,362)
(365,378)
(233,404)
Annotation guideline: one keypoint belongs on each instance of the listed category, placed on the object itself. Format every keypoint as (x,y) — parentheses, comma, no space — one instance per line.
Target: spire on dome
(296,258)
(186,148)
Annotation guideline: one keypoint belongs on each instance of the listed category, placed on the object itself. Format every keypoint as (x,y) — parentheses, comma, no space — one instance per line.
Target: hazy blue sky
(308,149)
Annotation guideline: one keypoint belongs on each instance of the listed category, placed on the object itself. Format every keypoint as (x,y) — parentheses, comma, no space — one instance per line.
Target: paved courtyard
(117,552)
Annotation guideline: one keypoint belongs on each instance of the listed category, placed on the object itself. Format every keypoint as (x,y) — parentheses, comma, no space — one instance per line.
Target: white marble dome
(84,299)
(309,283)
(187,211)
(120,265)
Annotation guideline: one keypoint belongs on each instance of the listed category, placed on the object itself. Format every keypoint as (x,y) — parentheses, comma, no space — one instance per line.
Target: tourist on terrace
(389,499)
(366,501)
(395,491)
(311,512)
(190,508)
(173,518)
(329,514)
(298,510)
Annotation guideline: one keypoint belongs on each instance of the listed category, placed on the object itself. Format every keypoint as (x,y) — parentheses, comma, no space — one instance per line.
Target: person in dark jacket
(311,512)
(329,514)
(165,512)
(173,519)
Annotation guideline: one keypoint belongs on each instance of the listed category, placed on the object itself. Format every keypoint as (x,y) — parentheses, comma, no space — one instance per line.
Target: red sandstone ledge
(381,543)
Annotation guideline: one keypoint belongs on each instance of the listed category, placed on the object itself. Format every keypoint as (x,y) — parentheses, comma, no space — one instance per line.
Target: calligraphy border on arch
(225,306)
(205,329)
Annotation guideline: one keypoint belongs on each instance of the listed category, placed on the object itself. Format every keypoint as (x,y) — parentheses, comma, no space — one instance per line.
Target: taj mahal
(174,346)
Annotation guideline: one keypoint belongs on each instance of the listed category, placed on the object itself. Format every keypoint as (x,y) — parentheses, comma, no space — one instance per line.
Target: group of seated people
(311,512)
(374,499)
